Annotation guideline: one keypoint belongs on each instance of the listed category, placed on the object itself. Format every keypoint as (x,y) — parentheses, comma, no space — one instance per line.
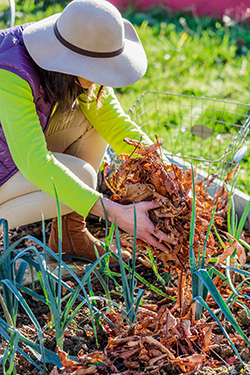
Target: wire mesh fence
(209,133)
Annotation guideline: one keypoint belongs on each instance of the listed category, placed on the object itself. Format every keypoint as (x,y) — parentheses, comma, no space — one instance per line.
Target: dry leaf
(89,370)
(67,363)
(152,341)
(235,245)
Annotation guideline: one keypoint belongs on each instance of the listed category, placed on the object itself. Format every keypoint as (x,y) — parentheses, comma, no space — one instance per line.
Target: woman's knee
(83,170)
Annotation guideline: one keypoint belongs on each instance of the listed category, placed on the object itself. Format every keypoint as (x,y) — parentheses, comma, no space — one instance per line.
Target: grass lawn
(186,55)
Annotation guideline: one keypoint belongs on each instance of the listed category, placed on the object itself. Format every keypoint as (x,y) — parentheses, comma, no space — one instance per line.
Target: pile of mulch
(165,340)
(144,176)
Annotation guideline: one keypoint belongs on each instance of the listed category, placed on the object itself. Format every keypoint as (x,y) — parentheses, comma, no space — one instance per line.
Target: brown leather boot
(77,242)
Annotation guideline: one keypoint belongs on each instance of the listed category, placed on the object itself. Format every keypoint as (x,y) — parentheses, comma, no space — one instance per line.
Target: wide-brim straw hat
(89,39)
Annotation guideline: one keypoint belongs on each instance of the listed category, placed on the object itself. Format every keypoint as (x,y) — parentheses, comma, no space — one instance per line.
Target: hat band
(85,52)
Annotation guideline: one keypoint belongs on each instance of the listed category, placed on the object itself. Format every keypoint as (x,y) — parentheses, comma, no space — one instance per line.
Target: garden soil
(77,339)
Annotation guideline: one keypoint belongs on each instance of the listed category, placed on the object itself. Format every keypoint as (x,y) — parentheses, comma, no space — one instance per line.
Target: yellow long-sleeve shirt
(28,148)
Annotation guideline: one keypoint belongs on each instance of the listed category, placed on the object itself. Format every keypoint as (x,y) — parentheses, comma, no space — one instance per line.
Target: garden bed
(222,358)
(169,312)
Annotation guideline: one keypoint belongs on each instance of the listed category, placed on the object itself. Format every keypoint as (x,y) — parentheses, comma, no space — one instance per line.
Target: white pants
(78,146)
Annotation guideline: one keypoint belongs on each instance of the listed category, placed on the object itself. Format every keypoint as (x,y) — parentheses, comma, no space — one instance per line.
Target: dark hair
(65,88)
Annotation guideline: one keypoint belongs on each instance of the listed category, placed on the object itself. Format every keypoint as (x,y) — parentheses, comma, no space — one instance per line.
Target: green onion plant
(11,276)
(202,284)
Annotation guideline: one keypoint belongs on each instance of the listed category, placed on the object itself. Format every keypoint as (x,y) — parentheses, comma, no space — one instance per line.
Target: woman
(58,112)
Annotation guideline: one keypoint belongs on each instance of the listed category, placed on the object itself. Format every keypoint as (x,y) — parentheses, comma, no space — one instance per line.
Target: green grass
(186,55)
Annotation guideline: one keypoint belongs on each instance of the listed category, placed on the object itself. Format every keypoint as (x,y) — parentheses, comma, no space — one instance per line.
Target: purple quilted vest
(15,58)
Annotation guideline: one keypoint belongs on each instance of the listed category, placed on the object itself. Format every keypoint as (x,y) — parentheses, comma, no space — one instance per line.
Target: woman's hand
(124,217)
